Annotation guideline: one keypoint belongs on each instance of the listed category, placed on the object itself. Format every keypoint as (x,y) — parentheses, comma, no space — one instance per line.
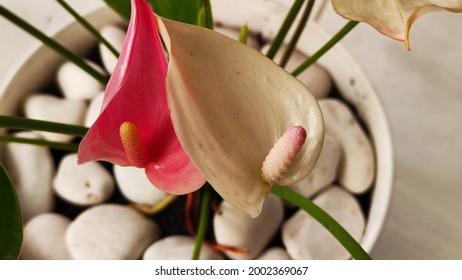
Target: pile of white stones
(105,230)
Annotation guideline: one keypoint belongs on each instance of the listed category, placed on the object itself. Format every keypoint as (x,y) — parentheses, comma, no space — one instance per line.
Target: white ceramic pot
(262,17)
(37,66)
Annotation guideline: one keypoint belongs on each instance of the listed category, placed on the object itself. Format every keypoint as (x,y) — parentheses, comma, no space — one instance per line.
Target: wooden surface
(421,93)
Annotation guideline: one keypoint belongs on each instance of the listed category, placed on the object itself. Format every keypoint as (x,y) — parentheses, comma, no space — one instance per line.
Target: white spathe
(229,105)
(392,17)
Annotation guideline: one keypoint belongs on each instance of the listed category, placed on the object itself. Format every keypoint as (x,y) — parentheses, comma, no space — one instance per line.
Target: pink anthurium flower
(134,127)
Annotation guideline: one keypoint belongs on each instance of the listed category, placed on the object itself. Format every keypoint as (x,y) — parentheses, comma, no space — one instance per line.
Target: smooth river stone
(51,108)
(136,187)
(234,227)
(94,109)
(357,169)
(32,170)
(274,253)
(316,78)
(110,232)
(44,238)
(83,185)
(177,247)
(305,238)
(115,36)
(78,84)
(324,172)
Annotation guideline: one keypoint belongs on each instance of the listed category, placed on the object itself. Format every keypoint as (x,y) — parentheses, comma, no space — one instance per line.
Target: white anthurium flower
(392,18)
(229,106)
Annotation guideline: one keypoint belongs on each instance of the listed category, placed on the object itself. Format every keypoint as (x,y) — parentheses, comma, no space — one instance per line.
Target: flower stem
(298,32)
(30,124)
(72,147)
(89,27)
(203,218)
(350,244)
(80,62)
(205,17)
(243,34)
(334,40)
(290,18)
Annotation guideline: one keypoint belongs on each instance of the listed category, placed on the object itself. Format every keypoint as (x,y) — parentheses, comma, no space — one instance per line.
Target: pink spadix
(282,154)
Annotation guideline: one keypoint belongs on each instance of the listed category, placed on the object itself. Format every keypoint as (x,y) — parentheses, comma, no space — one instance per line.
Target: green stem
(284,29)
(72,147)
(89,27)
(334,40)
(353,247)
(205,17)
(80,62)
(203,218)
(244,34)
(298,32)
(30,124)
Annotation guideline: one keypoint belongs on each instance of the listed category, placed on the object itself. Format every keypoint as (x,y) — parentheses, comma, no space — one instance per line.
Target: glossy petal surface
(392,17)
(229,105)
(136,93)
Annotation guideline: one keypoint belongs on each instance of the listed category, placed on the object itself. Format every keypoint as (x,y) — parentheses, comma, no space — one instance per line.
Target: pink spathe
(136,95)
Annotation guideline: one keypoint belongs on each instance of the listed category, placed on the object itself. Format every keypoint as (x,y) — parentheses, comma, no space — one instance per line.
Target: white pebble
(274,253)
(32,169)
(234,227)
(84,185)
(110,232)
(234,34)
(75,83)
(316,78)
(176,247)
(94,109)
(136,187)
(324,172)
(55,109)
(305,238)
(236,13)
(115,36)
(357,169)
(43,238)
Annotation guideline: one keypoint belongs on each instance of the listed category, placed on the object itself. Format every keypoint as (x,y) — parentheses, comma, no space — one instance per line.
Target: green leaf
(32,124)
(284,29)
(348,242)
(10,219)
(243,34)
(186,11)
(122,7)
(53,44)
(324,49)
(72,147)
(90,28)
(205,17)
